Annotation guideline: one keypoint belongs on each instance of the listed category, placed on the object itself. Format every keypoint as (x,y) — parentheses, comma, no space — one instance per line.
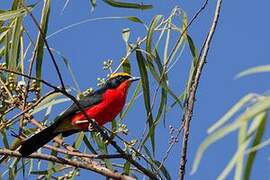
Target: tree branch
(189,106)
(84,155)
(88,166)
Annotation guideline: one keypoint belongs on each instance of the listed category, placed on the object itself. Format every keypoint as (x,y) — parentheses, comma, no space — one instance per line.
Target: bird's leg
(107,138)
(91,126)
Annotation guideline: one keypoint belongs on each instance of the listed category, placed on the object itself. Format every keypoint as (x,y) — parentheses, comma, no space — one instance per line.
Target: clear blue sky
(241,41)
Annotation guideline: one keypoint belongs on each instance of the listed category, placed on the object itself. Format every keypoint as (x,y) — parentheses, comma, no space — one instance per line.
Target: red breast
(113,101)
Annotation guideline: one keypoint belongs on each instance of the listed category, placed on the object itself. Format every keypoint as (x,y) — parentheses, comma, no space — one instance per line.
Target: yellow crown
(119,74)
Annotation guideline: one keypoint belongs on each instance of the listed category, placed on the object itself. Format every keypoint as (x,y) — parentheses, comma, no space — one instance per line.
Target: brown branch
(83,155)
(92,167)
(189,106)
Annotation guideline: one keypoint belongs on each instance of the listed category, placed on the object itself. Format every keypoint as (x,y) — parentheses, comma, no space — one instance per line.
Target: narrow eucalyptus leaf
(121,4)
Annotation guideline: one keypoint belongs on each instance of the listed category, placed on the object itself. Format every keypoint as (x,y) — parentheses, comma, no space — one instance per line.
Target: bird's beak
(134,79)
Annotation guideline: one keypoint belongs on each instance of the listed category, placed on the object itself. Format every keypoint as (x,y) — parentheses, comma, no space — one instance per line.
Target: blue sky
(241,41)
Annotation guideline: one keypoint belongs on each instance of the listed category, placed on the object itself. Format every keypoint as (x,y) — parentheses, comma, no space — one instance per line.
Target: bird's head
(120,80)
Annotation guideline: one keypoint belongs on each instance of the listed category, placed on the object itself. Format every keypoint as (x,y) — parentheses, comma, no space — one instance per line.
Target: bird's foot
(91,126)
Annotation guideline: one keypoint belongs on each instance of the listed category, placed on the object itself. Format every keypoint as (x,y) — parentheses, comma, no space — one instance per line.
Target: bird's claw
(91,126)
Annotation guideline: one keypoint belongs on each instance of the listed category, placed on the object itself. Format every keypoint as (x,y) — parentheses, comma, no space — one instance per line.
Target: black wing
(85,102)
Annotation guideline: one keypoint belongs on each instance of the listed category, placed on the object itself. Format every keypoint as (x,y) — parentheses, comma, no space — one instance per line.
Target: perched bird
(102,106)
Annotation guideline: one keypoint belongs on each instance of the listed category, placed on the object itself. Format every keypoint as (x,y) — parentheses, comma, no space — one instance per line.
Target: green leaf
(114,128)
(242,137)
(2,52)
(40,42)
(127,166)
(102,148)
(135,19)
(126,66)
(146,94)
(132,100)
(126,34)
(78,140)
(163,95)
(262,118)
(72,74)
(48,101)
(31,165)
(254,70)
(127,5)
(49,104)
(7,15)
(149,37)
(88,145)
(193,49)
(13,168)
(3,33)
(4,138)
(181,38)
(231,112)
(23,167)
(167,41)
(260,106)
(15,39)
(232,162)
(163,82)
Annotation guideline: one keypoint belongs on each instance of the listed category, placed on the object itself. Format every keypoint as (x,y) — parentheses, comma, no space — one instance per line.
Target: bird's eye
(119,78)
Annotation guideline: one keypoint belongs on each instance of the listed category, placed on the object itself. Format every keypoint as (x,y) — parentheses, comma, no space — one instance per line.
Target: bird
(102,106)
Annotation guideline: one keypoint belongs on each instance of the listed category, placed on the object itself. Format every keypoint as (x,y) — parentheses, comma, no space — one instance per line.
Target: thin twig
(42,35)
(167,153)
(189,106)
(79,154)
(93,167)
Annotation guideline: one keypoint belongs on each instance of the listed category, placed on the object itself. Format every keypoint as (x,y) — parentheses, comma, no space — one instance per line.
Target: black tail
(38,140)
